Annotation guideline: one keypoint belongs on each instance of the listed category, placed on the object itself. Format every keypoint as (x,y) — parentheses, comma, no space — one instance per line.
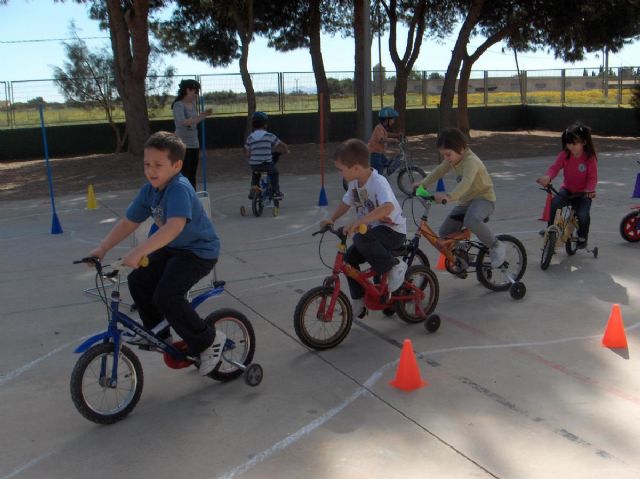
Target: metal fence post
(524,87)
(425,93)
(619,86)
(563,86)
(12,118)
(485,88)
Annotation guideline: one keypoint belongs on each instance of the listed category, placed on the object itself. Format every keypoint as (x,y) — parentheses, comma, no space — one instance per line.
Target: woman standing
(186,119)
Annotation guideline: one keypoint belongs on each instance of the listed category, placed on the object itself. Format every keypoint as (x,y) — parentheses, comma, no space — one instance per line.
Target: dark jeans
(270,168)
(190,165)
(374,248)
(581,204)
(159,292)
(378,161)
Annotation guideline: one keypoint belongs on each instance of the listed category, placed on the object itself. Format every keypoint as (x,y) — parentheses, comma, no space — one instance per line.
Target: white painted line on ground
(373,379)
(26,466)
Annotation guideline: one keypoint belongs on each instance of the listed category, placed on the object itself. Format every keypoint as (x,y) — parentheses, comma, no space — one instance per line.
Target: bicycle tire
(309,333)
(257,205)
(515,258)
(571,245)
(237,328)
(419,258)
(629,227)
(423,277)
(80,384)
(548,249)
(407,176)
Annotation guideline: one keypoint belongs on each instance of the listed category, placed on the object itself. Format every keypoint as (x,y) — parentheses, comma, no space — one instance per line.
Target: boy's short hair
(352,152)
(452,139)
(169,142)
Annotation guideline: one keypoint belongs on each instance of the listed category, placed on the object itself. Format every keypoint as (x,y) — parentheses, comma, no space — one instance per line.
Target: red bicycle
(323,316)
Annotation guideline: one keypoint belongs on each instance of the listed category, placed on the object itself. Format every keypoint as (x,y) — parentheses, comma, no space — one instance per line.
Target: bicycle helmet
(260,115)
(387,112)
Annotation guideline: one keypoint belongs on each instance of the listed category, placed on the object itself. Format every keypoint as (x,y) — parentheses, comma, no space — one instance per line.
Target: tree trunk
(465,74)
(405,64)
(458,53)
(463,88)
(400,97)
(315,50)
(130,44)
(244,24)
(360,50)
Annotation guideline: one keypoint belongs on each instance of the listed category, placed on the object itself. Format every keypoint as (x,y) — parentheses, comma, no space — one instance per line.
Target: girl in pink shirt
(580,170)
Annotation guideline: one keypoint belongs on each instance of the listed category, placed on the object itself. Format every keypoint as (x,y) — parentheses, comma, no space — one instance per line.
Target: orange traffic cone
(547,208)
(441,263)
(614,336)
(408,374)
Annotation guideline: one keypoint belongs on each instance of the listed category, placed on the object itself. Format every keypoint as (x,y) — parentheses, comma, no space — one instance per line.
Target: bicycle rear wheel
(501,279)
(311,323)
(426,280)
(407,176)
(548,249)
(99,397)
(239,331)
(257,205)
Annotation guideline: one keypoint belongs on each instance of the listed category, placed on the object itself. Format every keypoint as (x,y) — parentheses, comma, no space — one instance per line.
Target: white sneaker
(210,357)
(358,308)
(396,276)
(498,252)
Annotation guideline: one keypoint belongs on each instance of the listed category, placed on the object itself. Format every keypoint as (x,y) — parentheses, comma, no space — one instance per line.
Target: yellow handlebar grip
(362,229)
(144,262)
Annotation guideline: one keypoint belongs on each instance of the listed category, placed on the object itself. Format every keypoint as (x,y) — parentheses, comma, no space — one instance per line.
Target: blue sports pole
(203,148)
(56,228)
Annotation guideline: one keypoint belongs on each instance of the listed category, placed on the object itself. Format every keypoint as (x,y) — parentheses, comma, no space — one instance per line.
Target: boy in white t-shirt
(377,207)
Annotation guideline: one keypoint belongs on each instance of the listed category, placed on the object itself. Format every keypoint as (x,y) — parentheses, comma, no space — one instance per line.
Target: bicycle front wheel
(512,270)
(548,249)
(407,176)
(426,280)
(239,332)
(314,326)
(96,394)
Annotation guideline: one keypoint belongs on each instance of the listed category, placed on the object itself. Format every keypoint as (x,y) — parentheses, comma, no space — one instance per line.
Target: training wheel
(432,323)
(243,211)
(253,375)
(518,290)
(595,252)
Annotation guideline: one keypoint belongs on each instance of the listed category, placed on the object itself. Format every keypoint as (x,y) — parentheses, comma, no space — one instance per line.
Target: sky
(24,20)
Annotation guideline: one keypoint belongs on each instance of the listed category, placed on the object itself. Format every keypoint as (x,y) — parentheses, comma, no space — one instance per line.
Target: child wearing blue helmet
(260,147)
(382,136)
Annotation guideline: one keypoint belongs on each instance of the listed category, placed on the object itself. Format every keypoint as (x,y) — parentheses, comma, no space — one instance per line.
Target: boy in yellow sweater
(474,192)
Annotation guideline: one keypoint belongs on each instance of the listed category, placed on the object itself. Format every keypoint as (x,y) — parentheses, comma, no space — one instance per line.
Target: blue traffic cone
(322,200)
(440,188)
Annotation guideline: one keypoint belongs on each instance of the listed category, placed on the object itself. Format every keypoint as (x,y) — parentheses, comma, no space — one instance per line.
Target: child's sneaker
(396,276)
(498,252)
(210,357)
(358,307)
(279,195)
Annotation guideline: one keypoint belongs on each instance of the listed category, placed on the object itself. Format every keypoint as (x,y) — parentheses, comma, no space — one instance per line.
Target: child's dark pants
(270,168)
(373,247)
(159,292)
(581,204)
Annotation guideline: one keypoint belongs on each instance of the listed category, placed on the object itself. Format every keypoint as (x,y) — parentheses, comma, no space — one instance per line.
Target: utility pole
(362,27)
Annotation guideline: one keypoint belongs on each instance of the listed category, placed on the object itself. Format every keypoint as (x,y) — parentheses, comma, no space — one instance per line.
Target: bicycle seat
(460,218)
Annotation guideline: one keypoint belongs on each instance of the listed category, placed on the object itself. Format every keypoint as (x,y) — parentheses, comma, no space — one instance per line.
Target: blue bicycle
(107,380)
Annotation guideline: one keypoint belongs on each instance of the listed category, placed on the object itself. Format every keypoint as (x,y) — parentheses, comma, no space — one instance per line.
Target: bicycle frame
(372,291)
(114,334)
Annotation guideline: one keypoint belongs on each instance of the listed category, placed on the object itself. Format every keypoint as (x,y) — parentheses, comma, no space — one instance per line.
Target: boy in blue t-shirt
(260,147)
(183,250)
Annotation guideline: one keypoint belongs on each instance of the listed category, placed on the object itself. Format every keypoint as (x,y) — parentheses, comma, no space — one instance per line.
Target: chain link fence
(291,92)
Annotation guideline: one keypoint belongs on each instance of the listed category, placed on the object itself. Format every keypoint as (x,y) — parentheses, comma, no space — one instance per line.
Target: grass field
(60,114)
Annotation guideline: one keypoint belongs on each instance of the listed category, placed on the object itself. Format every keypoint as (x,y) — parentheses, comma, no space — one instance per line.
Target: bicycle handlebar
(423,194)
(339,232)
(95,261)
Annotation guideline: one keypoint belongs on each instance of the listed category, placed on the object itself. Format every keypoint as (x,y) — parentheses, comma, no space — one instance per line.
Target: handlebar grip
(362,229)
(144,262)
